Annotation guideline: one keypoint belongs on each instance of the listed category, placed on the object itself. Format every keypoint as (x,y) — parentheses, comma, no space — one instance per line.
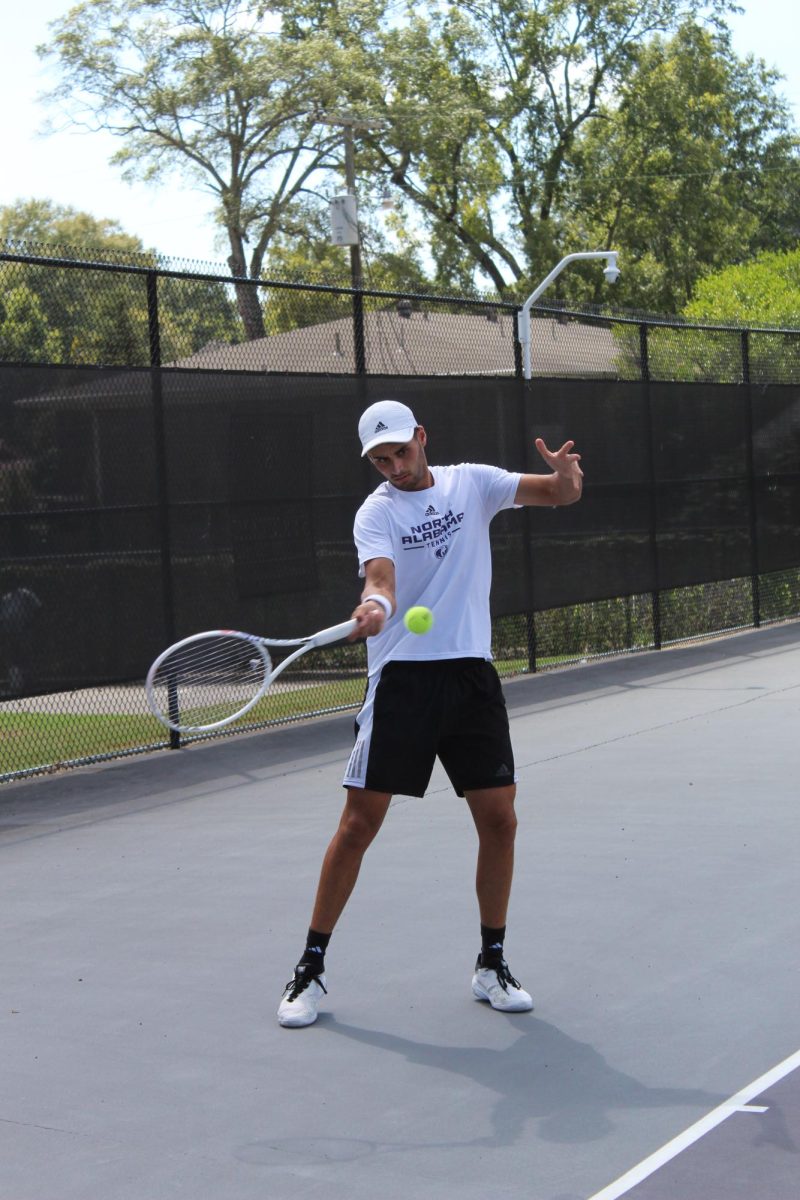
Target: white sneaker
(301,997)
(500,988)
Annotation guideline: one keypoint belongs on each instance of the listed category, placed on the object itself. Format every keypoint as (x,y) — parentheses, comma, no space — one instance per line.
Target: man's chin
(411,483)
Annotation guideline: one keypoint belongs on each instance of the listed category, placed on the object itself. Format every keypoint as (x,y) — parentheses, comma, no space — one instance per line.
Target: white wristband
(385,604)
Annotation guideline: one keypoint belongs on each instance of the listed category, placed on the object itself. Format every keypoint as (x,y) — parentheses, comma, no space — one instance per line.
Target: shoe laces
(303,976)
(504,976)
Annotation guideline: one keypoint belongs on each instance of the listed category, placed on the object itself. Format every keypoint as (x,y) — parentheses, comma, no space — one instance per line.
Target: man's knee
(362,818)
(493,812)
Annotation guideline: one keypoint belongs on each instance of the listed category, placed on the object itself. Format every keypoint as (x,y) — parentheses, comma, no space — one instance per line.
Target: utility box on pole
(344,220)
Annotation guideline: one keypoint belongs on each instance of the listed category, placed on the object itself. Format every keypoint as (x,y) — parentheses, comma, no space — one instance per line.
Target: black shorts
(416,711)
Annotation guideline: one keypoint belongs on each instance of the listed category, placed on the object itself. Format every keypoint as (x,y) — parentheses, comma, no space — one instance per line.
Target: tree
(50,317)
(485,104)
(214,89)
(692,166)
(64,229)
(515,130)
(25,333)
(435,147)
(763,291)
(67,315)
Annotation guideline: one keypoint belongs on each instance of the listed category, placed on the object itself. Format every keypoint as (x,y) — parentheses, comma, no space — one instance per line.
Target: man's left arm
(563,486)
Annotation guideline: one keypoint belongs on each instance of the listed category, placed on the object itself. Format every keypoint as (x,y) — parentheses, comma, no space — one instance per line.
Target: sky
(72,168)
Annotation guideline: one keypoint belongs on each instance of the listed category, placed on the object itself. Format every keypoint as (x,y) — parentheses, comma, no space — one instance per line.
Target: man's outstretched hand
(568,485)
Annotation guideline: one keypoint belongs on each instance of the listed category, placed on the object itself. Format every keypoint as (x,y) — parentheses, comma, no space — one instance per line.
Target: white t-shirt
(438,540)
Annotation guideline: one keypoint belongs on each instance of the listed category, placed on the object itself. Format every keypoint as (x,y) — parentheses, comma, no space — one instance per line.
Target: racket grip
(334,634)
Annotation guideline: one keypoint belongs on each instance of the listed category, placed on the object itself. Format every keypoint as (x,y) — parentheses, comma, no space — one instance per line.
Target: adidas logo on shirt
(430,511)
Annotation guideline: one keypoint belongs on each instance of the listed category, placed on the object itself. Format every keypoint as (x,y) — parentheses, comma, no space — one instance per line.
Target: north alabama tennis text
(435,532)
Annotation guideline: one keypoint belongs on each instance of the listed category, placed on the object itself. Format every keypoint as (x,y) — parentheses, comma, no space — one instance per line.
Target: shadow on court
(543,1076)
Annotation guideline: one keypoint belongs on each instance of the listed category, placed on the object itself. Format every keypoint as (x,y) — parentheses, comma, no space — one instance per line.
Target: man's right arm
(372,614)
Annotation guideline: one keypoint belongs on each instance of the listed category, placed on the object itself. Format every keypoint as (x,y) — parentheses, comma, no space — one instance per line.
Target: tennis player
(423,539)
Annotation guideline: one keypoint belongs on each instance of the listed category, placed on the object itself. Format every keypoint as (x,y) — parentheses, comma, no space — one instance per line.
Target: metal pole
(524,316)
(517,346)
(755,577)
(355,258)
(527,530)
(162,490)
(655,595)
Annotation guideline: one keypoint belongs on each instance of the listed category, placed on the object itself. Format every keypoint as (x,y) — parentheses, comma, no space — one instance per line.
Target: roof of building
(421,343)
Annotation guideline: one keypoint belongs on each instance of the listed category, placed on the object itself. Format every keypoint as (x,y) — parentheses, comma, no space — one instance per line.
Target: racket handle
(334,634)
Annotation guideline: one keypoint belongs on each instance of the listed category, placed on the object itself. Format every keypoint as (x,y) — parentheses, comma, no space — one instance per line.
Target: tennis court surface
(152,911)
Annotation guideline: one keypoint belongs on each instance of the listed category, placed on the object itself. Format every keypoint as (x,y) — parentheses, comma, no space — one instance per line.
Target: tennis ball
(418,619)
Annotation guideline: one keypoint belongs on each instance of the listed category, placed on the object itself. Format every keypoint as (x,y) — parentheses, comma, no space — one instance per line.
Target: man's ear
(422,436)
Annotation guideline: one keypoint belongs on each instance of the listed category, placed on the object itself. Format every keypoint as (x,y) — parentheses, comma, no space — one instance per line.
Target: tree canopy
(61,314)
(217,90)
(763,291)
(693,166)
(512,131)
(37,221)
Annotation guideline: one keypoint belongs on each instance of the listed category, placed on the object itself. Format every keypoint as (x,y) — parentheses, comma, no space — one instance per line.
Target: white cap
(386,421)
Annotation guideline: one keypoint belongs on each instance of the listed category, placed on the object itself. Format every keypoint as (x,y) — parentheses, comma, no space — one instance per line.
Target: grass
(30,740)
(278,706)
(46,739)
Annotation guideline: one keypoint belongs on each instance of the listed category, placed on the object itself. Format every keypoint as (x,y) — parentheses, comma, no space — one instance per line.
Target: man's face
(404,464)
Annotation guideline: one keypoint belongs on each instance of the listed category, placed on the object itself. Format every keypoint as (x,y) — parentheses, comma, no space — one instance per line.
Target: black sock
(314,953)
(492,945)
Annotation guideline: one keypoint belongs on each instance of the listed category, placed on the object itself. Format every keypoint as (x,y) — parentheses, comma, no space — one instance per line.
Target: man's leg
(496,823)
(361,819)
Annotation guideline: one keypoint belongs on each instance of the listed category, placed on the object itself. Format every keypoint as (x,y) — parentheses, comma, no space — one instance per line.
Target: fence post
(755,579)
(517,344)
(162,490)
(359,341)
(655,595)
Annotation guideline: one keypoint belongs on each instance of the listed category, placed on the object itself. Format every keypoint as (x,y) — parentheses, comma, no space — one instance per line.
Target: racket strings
(209,679)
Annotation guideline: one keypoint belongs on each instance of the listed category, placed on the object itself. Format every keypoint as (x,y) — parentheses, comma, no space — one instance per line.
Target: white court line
(693,1134)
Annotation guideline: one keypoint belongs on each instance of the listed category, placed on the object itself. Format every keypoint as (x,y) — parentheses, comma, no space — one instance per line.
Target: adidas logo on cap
(380,427)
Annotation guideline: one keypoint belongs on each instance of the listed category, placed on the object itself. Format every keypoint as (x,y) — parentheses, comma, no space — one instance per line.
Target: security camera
(611,272)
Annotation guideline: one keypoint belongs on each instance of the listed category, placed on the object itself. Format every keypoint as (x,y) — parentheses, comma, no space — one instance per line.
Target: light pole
(348,226)
(524,315)
(355,256)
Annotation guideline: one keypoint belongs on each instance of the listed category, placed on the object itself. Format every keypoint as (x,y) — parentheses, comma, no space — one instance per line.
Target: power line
(785,170)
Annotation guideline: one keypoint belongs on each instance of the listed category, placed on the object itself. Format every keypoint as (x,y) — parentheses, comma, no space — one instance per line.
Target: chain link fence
(177,452)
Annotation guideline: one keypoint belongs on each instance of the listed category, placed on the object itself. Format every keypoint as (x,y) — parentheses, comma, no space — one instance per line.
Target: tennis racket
(211,679)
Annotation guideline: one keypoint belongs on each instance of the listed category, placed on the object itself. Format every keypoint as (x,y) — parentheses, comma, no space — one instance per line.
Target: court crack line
(663,725)
(46,1128)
